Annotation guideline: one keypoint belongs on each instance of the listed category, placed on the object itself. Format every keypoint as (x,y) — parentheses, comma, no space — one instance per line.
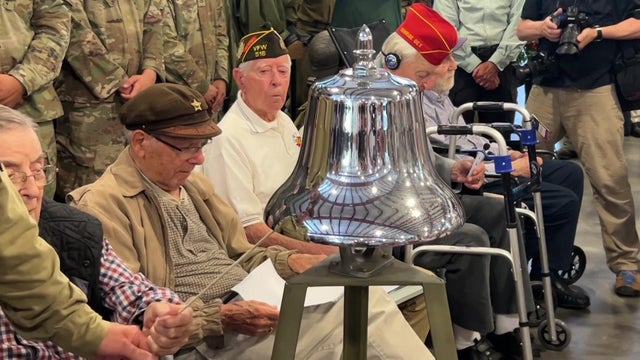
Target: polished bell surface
(364,176)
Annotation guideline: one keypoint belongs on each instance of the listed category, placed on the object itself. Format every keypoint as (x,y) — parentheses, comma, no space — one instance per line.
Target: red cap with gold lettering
(428,32)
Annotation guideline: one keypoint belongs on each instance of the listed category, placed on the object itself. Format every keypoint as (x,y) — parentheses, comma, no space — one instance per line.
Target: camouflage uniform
(34,35)
(196,43)
(110,41)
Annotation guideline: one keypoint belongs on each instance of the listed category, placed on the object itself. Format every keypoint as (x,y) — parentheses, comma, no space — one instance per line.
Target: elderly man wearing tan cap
(482,303)
(168,223)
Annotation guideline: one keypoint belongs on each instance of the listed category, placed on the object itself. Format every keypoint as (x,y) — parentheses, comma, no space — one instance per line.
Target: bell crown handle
(364,53)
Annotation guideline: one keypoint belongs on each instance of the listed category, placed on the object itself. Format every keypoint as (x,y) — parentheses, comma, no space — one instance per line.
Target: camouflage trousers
(47,137)
(89,139)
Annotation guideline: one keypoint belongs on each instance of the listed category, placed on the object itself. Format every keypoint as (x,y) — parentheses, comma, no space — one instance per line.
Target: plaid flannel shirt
(124,292)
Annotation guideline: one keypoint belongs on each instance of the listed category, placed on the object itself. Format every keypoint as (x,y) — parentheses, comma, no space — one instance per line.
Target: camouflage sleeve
(222,44)
(179,64)
(43,58)
(88,57)
(152,38)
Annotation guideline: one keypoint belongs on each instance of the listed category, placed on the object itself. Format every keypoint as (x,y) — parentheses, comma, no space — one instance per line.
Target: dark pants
(465,89)
(467,278)
(478,286)
(561,192)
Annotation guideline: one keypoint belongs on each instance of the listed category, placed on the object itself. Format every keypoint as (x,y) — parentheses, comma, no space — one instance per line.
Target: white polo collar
(255,122)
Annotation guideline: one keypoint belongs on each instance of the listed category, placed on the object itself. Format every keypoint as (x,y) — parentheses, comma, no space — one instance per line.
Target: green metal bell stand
(356,273)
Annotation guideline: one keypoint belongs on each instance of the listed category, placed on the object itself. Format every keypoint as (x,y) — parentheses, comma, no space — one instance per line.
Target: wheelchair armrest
(440,148)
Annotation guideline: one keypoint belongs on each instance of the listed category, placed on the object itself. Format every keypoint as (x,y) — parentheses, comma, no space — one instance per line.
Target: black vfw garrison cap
(262,44)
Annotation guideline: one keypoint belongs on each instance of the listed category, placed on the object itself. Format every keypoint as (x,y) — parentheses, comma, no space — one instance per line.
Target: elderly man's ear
(237,76)
(136,141)
(426,83)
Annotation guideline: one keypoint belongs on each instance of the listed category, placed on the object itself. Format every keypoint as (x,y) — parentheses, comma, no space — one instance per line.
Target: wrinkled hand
(550,30)
(124,342)
(11,91)
(299,263)
(328,250)
(491,83)
(216,94)
(515,155)
(461,169)
(210,96)
(221,86)
(133,85)
(251,317)
(521,166)
(167,328)
(486,75)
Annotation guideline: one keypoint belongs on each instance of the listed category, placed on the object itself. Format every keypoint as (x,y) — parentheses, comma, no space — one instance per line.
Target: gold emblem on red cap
(197,105)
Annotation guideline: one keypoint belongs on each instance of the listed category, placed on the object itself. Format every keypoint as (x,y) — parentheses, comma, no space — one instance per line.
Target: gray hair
(12,119)
(127,136)
(399,46)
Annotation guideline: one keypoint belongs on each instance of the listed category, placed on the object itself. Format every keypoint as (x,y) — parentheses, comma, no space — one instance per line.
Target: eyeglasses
(42,177)
(188,151)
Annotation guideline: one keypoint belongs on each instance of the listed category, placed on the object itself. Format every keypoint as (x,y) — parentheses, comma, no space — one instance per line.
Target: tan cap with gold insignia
(172,110)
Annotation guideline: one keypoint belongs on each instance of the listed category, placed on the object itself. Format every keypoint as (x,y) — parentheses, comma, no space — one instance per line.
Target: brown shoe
(628,283)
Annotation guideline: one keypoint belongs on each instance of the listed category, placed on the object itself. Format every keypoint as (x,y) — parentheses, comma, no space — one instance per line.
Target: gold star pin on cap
(197,105)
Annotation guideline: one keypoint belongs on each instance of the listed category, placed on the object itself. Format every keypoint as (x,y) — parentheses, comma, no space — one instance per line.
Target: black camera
(532,63)
(571,22)
(536,65)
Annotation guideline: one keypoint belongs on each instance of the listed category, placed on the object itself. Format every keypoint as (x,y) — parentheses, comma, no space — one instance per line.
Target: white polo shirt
(251,159)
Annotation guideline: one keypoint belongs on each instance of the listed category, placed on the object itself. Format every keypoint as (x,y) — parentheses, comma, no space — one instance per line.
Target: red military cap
(428,32)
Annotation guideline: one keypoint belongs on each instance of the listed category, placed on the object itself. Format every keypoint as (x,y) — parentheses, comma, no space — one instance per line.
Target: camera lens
(569,41)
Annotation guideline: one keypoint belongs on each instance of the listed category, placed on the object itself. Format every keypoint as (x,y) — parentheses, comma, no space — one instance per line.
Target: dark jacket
(77,238)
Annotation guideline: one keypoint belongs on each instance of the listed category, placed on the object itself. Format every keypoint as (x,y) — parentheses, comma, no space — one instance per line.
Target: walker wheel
(576,269)
(540,308)
(563,335)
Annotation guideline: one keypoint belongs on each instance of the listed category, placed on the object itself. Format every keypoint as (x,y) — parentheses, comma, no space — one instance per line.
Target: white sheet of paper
(264,284)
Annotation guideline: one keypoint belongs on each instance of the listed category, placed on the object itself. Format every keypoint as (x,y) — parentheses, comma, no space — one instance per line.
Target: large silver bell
(364,176)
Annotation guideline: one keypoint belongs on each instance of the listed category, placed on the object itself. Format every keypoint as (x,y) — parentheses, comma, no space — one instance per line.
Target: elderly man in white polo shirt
(259,146)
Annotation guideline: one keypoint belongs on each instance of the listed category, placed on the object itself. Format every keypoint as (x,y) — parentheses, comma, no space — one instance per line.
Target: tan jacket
(37,298)
(135,227)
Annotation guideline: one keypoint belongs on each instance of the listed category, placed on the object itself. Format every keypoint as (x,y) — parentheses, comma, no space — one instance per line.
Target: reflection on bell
(364,177)
(364,182)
